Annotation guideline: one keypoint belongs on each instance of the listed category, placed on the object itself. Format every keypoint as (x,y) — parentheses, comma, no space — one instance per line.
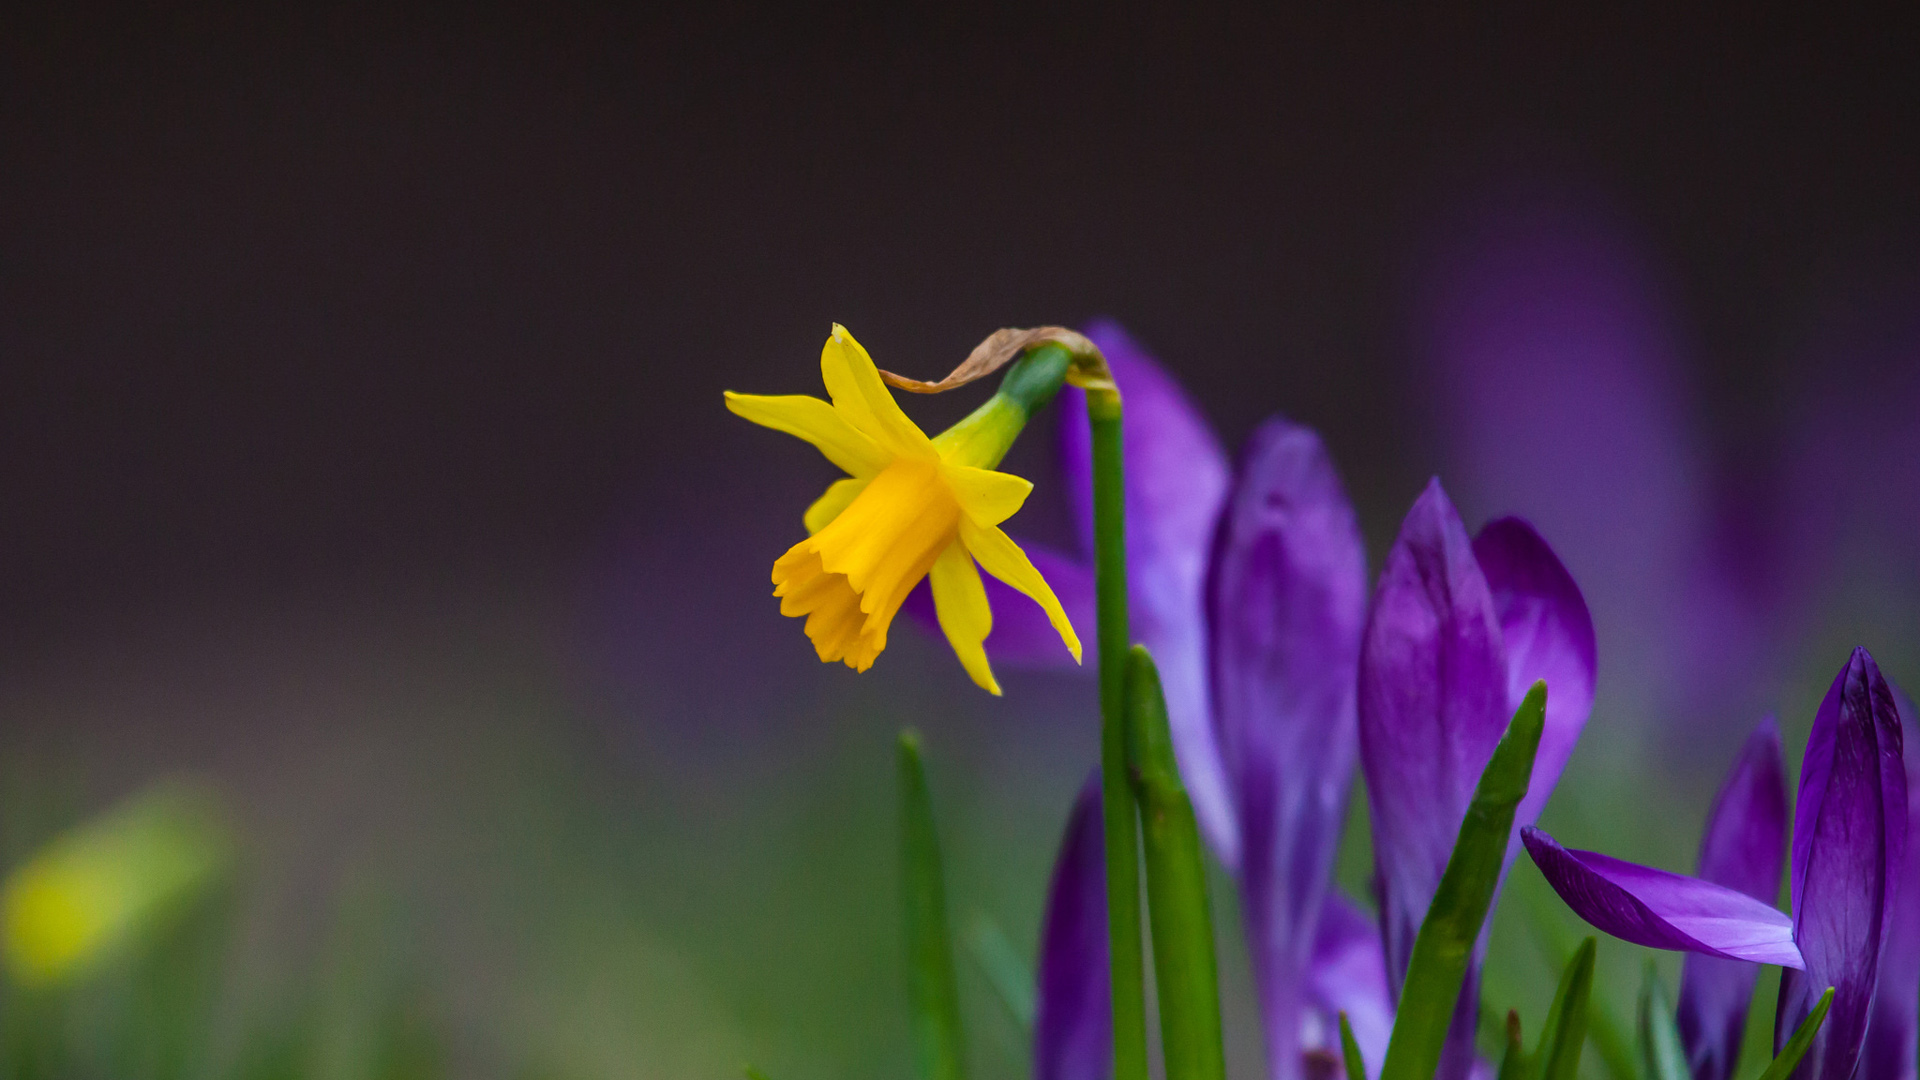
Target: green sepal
(1444,946)
(933,993)
(983,437)
(1796,1047)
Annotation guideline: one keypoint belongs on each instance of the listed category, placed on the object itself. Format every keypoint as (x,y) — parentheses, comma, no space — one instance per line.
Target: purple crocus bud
(1073,1020)
(1286,603)
(1177,478)
(1743,849)
(1661,909)
(1893,1043)
(1433,703)
(1849,849)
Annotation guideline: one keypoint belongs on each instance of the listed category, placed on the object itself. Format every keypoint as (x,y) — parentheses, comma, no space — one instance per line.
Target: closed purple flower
(1457,631)
(1286,600)
(1849,850)
(1849,845)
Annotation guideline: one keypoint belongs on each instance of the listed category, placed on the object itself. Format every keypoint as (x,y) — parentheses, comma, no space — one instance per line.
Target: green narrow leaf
(1356,1065)
(1184,966)
(933,994)
(1661,1052)
(754,1073)
(1513,1063)
(1553,938)
(1796,1047)
(1445,943)
(1006,970)
(1605,1035)
(1565,1034)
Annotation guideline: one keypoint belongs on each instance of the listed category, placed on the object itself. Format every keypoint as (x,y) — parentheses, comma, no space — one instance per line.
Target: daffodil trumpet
(911,507)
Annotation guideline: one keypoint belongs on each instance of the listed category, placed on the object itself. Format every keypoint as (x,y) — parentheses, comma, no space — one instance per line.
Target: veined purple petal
(1661,909)
(1177,478)
(1849,846)
(1021,635)
(1548,635)
(1433,703)
(1893,1043)
(1286,604)
(1743,848)
(1073,1021)
(1349,974)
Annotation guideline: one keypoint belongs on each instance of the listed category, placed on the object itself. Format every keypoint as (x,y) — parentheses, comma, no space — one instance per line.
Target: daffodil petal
(817,422)
(854,384)
(1001,557)
(828,506)
(986,496)
(960,600)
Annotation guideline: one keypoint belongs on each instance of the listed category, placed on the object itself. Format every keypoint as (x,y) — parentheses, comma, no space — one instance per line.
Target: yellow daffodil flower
(911,507)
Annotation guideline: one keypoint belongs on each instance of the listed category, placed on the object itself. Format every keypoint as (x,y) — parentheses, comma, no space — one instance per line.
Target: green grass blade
(1006,970)
(1661,1052)
(1350,1050)
(933,994)
(1796,1047)
(753,1073)
(1606,1033)
(1445,943)
(1513,1063)
(1178,912)
(1565,1033)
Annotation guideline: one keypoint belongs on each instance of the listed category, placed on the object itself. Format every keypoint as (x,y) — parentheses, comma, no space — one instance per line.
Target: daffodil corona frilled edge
(911,507)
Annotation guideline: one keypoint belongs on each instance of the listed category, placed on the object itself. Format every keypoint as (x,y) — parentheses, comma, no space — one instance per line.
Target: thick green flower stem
(933,994)
(1127,967)
(1183,959)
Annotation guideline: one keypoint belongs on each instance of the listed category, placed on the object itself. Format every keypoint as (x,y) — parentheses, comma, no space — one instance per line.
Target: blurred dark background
(361,443)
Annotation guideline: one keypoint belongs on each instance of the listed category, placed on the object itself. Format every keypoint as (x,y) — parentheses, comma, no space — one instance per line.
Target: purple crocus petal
(1743,848)
(1849,847)
(1433,703)
(1177,478)
(1021,635)
(1286,603)
(1661,909)
(1073,1023)
(1348,973)
(1893,1043)
(1548,635)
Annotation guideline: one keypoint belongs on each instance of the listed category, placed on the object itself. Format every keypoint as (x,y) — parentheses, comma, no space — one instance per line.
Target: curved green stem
(1116,797)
